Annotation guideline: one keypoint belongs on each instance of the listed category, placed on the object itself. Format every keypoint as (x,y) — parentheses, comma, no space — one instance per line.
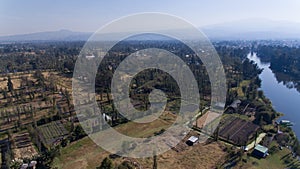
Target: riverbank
(284,100)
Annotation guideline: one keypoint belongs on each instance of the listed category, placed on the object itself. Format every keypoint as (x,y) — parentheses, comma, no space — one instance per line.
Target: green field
(279,160)
(83,153)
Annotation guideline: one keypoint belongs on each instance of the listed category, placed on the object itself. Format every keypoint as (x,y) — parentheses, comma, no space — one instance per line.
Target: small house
(233,107)
(260,151)
(192,140)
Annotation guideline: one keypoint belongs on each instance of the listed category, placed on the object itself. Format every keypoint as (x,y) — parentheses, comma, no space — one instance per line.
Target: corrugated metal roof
(261,148)
(193,139)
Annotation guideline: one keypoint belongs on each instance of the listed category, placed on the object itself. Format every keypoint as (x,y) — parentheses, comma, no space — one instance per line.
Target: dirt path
(258,140)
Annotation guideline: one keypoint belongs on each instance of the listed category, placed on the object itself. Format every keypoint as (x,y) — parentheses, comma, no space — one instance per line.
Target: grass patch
(83,153)
(241,116)
(144,130)
(280,159)
(244,83)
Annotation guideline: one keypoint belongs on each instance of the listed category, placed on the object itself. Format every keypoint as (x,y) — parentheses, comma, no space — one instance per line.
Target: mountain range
(250,29)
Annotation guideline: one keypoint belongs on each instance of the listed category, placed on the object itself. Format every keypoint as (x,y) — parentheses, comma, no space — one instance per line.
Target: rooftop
(235,104)
(193,139)
(261,148)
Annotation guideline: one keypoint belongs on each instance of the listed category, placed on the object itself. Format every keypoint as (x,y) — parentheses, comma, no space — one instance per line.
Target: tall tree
(10,85)
(155,162)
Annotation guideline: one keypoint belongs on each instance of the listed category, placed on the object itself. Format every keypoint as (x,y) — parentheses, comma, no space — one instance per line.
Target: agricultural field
(22,146)
(34,96)
(3,149)
(52,132)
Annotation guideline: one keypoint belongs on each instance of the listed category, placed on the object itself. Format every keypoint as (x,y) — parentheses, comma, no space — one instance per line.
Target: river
(284,100)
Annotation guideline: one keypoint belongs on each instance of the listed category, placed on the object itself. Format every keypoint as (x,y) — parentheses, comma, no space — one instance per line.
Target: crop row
(52,130)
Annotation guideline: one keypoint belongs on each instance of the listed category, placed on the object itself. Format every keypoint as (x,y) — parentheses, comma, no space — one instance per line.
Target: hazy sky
(25,16)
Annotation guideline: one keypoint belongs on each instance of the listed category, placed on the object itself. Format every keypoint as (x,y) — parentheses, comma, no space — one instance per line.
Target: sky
(21,17)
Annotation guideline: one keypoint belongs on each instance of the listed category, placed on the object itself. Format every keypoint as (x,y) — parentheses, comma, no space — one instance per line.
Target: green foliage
(48,156)
(274,149)
(284,62)
(64,142)
(296,147)
(125,165)
(250,69)
(78,132)
(15,165)
(106,164)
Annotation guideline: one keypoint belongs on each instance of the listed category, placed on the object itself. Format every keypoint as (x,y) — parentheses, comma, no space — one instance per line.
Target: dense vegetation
(19,57)
(284,62)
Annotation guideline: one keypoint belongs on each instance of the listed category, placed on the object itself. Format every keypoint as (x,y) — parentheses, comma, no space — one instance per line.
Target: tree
(155,162)
(39,77)
(4,92)
(64,142)
(260,94)
(125,165)
(217,133)
(15,165)
(10,85)
(47,157)
(106,164)
(78,132)
(296,146)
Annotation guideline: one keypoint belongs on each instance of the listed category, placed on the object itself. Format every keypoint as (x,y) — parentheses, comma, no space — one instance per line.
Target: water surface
(285,100)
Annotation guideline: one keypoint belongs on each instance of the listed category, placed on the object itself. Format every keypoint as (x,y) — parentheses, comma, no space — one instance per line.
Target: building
(235,104)
(32,164)
(233,107)
(237,131)
(192,140)
(89,57)
(260,151)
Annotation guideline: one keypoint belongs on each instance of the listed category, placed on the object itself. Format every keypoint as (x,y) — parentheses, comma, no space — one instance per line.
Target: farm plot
(52,132)
(236,130)
(23,147)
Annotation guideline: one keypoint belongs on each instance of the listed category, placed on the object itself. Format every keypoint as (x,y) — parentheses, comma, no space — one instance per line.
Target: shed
(192,140)
(24,166)
(260,151)
(235,104)
(32,164)
(106,117)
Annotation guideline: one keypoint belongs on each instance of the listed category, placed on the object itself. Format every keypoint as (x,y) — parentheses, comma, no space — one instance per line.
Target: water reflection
(284,99)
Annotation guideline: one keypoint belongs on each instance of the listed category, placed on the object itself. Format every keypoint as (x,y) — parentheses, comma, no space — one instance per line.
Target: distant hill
(250,29)
(61,35)
(253,29)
